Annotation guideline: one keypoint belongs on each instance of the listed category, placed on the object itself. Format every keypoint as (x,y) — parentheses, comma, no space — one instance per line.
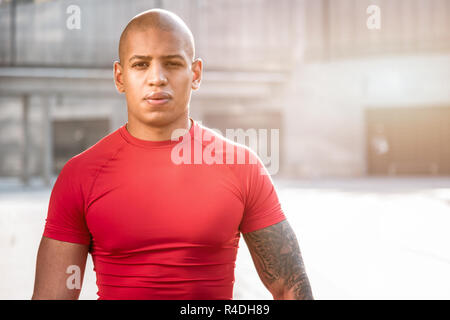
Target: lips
(157,98)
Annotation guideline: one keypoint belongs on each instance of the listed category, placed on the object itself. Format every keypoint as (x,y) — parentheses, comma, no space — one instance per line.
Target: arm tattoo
(277,258)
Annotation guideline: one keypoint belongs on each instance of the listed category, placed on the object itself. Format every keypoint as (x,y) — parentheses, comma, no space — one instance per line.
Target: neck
(149,132)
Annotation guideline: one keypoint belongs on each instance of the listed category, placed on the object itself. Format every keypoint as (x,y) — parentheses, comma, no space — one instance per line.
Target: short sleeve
(262,207)
(65,217)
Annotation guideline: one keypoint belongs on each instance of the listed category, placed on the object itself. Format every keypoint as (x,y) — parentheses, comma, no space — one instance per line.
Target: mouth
(157,98)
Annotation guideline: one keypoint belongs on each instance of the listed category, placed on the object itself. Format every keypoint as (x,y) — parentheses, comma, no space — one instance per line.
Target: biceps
(56,258)
(276,255)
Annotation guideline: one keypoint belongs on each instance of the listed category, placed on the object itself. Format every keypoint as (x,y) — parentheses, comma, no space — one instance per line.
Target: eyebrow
(172,56)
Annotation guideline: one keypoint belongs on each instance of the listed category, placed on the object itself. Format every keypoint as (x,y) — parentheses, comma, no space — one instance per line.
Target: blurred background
(359,89)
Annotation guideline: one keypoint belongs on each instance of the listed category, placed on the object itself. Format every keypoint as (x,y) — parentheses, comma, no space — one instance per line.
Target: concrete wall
(324,111)
(61,108)
(246,35)
(316,62)
(75,94)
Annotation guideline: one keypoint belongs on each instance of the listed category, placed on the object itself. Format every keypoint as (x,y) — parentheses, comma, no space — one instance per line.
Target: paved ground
(360,239)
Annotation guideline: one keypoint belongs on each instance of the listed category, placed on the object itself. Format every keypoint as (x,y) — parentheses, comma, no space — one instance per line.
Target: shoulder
(239,161)
(84,165)
(235,153)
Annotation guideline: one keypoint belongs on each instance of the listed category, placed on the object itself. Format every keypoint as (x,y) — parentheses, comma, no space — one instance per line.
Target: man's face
(157,76)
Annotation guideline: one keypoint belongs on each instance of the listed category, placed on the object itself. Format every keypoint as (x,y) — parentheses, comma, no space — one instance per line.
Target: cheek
(132,86)
(132,79)
(183,86)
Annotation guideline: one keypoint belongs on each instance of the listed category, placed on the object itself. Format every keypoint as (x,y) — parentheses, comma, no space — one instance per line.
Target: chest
(142,206)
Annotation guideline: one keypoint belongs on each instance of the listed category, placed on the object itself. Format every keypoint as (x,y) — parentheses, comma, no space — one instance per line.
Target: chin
(158,118)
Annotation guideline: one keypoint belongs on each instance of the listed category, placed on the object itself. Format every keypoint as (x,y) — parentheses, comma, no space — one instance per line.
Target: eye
(173,64)
(140,65)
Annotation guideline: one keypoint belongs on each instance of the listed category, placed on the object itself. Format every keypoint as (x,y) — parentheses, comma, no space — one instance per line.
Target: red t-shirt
(158,228)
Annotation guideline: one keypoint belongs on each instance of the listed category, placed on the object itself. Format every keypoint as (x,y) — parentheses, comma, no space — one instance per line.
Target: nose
(156,75)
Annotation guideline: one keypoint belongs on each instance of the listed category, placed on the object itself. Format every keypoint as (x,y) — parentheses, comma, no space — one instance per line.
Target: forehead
(155,42)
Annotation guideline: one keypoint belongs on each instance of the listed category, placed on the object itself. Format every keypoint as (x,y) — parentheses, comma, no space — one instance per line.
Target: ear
(118,77)
(197,68)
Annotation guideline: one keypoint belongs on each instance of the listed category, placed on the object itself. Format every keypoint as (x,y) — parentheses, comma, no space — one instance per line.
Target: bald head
(161,20)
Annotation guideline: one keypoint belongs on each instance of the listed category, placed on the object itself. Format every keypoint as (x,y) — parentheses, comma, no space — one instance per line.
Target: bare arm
(53,260)
(276,255)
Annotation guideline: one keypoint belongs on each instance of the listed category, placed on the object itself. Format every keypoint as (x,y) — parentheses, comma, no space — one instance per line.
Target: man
(157,229)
